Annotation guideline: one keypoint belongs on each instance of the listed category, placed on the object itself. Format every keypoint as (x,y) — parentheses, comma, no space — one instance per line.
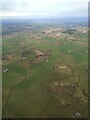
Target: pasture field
(45,71)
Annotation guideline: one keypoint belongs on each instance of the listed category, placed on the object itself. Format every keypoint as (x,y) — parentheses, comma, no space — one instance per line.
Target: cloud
(44,8)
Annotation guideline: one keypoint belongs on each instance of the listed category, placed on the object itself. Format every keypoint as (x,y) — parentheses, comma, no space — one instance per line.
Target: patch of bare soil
(63,69)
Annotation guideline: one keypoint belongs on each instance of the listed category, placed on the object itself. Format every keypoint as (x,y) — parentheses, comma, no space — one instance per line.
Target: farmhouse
(5,70)
(77,115)
(74,85)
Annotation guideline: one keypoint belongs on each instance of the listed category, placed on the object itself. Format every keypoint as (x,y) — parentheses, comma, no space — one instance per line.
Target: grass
(32,96)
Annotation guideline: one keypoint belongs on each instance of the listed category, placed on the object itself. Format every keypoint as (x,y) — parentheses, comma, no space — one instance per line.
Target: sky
(43,8)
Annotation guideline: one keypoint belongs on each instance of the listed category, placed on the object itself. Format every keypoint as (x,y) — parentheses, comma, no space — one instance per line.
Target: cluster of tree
(70,31)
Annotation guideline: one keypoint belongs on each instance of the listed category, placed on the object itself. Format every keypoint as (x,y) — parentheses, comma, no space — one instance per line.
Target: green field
(43,64)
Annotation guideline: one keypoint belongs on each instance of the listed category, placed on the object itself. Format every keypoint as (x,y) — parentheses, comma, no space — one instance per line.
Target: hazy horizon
(43,8)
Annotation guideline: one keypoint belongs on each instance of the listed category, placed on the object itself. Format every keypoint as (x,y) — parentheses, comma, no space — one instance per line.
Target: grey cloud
(58,7)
